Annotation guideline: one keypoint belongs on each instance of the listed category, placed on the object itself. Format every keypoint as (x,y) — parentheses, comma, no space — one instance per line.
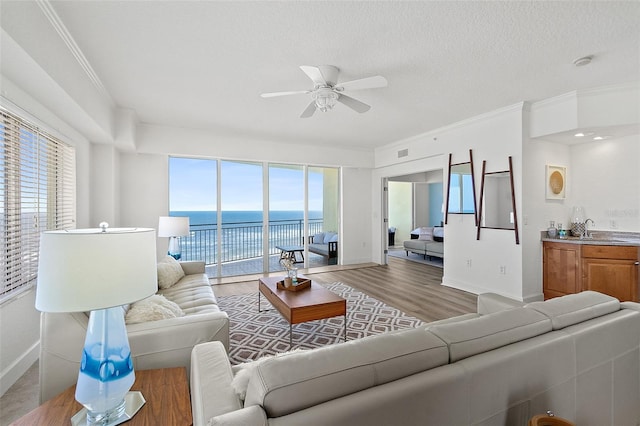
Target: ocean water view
(243,216)
(242,233)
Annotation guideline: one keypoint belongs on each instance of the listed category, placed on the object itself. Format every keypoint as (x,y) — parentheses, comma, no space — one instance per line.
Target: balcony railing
(243,240)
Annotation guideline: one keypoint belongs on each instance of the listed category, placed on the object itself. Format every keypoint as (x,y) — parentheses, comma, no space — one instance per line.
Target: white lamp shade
(173,226)
(87,269)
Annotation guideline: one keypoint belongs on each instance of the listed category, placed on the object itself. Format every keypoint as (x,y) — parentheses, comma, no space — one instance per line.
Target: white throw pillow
(318,238)
(328,236)
(243,372)
(169,272)
(426,234)
(334,238)
(152,308)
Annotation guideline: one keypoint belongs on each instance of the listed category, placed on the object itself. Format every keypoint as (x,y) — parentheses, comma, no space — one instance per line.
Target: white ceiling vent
(403,153)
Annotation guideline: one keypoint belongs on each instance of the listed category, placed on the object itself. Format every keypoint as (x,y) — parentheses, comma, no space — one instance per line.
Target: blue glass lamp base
(133,402)
(174,248)
(176,256)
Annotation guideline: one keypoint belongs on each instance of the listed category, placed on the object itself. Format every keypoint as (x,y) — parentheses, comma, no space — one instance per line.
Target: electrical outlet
(468,263)
(503,270)
(613,224)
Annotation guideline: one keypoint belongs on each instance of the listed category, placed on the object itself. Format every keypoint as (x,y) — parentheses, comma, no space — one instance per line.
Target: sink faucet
(586,228)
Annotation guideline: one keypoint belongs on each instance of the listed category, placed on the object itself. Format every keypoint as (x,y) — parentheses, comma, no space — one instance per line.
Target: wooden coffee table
(313,303)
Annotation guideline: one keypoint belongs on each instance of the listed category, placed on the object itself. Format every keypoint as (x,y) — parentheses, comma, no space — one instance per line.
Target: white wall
(400,209)
(493,137)
(605,180)
(356,237)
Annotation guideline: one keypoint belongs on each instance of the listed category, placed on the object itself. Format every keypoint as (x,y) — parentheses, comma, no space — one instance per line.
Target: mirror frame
(513,200)
(473,184)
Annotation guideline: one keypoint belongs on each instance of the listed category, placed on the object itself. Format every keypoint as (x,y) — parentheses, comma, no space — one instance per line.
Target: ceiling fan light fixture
(325,99)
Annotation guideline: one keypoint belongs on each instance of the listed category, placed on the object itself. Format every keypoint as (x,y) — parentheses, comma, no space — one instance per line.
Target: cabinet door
(617,278)
(561,269)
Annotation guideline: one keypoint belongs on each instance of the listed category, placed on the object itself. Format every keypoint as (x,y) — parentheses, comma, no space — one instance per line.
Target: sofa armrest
(489,303)
(168,342)
(211,391)
(253,415)
(193,267)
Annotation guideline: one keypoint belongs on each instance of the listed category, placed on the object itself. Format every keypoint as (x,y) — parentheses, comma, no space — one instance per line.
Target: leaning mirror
(497,201)
(461,191)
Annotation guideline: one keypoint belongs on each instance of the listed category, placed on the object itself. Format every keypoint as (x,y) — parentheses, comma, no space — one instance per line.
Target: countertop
(600,238)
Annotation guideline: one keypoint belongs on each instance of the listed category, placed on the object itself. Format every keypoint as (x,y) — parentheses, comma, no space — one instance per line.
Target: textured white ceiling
(204,64)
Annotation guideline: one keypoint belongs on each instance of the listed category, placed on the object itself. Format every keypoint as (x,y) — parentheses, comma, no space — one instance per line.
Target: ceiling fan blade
(363,83)
(274,94)
(308,112)
(314,74)
(354,104)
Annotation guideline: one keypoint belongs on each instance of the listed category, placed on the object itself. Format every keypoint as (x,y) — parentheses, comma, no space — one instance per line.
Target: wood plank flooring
(411,287)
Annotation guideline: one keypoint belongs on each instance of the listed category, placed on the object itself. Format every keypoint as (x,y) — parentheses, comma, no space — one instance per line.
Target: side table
(166,391)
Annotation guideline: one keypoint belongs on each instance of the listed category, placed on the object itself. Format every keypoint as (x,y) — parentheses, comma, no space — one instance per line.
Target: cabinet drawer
(610,252)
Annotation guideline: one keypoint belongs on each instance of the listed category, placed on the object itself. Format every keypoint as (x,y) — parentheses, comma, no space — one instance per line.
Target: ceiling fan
(326,89)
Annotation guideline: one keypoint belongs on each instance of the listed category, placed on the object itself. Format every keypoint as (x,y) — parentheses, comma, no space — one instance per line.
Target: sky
(192,186)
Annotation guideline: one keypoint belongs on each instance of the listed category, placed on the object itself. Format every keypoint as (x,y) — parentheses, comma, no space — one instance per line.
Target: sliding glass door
(235,207)
(286,214)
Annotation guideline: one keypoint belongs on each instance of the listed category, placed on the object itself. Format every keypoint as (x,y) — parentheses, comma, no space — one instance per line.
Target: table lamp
(173,227)
(88,270)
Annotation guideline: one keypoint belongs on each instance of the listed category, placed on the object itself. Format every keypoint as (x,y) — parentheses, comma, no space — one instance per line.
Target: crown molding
(55,21)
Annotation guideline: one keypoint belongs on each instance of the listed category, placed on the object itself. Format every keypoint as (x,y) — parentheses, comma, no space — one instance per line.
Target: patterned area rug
(254,334)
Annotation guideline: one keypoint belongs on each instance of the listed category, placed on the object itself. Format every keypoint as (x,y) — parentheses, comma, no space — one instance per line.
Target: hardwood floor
(412,287)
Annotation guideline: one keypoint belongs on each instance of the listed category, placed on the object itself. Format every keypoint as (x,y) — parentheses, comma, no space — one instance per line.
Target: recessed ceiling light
(585,60)
(598,138)
(579,135)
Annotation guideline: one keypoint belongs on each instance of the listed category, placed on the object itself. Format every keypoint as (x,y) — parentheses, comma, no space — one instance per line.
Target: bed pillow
(169,272)
(154,308)
(438,233)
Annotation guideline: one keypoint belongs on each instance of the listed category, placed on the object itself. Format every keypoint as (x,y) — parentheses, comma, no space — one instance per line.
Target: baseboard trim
(12,373)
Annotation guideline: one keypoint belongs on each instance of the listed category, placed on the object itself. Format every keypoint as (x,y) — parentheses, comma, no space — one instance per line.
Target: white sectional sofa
(578,356)
(154,344)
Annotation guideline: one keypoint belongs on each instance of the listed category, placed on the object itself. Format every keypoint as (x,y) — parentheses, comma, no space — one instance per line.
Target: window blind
(37,193)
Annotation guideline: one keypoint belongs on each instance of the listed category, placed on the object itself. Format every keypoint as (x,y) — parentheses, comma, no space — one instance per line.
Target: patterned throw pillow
(152,308)
(169,272)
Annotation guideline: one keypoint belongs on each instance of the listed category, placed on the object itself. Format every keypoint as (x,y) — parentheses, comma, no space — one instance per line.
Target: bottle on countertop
(552,231)
(562,233)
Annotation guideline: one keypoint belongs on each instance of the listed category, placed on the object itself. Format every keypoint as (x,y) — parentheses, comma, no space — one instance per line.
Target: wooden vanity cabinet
(561,269)
(571,268)
(612,270)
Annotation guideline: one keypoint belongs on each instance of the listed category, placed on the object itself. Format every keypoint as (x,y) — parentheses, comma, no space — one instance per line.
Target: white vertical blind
(37,193)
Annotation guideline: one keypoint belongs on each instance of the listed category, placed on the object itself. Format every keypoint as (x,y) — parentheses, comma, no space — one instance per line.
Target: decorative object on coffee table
(86,270)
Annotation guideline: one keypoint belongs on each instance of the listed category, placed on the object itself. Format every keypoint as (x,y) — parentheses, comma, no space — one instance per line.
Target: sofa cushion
(169,272)
(574,308)
(152,308)
(318,238)
(487,332)
(287,384)
(242,372)
(327,237)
